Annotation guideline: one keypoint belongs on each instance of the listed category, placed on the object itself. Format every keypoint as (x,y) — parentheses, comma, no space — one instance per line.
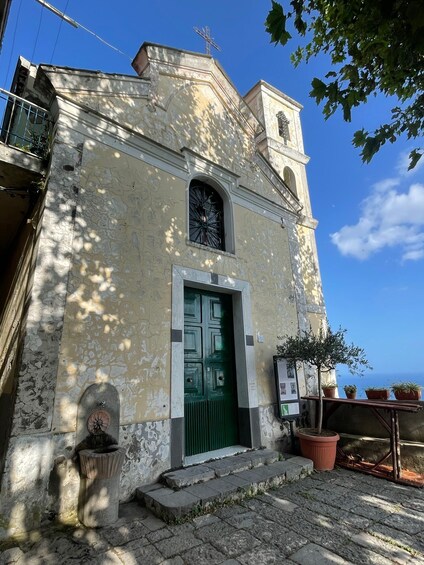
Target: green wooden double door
(210,394)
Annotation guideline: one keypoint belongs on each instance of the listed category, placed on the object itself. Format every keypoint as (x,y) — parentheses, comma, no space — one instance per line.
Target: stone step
(219,468)
(178,504)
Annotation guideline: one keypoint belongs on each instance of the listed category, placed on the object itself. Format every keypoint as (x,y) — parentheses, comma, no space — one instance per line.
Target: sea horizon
(384,380)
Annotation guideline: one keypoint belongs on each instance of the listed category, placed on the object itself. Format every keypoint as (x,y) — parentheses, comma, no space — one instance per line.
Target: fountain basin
(102,463)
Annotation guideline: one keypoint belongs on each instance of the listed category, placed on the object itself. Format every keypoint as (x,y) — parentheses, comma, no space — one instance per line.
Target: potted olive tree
(323,350)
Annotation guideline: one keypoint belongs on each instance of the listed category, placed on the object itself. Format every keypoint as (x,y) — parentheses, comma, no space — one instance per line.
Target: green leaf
(275,24)
(319,89)
(370,148)
(414,157)
(359,138)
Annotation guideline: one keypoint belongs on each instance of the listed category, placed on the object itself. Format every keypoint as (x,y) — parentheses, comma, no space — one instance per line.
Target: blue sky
(371,217)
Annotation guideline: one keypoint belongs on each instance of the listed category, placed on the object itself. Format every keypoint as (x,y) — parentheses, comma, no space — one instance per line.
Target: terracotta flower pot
(378,394)
(329,391)
(320,448)
(407,395)
(351,395)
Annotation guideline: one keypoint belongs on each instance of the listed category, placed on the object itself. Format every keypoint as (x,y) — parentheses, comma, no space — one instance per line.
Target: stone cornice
(277,94)
(271,174)
(68,81)
(268,142)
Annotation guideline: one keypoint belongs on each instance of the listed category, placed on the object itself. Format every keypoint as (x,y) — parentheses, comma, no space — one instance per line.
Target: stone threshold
(199,489)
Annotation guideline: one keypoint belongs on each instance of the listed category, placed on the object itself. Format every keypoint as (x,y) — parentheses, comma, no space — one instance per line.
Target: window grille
(283,126)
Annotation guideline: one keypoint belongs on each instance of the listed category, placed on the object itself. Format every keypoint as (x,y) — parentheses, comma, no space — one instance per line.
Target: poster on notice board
(287,389)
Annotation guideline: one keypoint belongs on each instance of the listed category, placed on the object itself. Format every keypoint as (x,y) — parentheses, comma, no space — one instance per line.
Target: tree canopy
(324,351)
(375,46)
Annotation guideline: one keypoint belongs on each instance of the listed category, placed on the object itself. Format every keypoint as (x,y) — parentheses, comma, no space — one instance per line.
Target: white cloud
(392,216)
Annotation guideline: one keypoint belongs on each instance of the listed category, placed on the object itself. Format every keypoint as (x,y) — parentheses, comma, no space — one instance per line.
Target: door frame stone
(247,394)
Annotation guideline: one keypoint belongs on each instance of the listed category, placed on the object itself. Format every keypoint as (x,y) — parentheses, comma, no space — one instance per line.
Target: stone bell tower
(282,141)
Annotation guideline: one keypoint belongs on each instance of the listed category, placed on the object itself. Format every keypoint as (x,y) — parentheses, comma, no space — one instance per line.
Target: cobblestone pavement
(327,518)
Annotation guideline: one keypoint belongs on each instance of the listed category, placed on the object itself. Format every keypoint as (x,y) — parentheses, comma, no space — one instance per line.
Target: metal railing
(23,124)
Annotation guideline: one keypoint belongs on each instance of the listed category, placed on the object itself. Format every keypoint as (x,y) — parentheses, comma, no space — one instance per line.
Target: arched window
(283,126)
(206,216)
(290,179)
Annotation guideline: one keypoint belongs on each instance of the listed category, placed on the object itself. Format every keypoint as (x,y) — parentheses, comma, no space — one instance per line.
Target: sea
(376,380)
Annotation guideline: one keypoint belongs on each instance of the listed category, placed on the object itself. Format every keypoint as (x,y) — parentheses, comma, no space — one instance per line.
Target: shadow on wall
(94,315)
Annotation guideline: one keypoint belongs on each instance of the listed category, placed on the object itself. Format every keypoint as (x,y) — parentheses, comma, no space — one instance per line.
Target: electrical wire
(13,45)
(38,33)
(76,24)
(105,42)
(58,33)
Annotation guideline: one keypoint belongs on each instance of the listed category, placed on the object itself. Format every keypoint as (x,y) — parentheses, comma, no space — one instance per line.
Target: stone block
(189,476)
(202,491)
(147,489)
(239,482)
(253,476)
(223,488)
(224,467)
(13,555)
(298,467)
(260,457)
(177,504)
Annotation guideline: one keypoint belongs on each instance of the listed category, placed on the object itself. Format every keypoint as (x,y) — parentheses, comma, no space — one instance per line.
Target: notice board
(287,389)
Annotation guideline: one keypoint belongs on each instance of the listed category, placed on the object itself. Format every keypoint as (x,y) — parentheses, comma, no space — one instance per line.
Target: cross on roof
(206,34)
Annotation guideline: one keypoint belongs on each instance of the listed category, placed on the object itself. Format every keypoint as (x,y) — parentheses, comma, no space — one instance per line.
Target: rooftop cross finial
(206,34)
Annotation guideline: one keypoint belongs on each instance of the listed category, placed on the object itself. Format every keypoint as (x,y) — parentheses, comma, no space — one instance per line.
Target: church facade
(176,243)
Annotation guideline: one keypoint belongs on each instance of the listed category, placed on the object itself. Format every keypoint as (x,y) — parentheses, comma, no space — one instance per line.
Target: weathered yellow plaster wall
(189,114)
(130,230)
(309,265)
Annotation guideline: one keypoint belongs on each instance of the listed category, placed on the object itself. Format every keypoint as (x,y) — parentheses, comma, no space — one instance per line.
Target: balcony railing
(24,124)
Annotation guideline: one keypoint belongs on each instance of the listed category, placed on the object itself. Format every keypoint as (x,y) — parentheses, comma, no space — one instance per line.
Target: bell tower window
(290,180)
(206,216)
(283,126)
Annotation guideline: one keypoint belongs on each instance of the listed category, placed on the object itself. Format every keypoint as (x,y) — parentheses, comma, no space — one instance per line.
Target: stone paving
(336,517)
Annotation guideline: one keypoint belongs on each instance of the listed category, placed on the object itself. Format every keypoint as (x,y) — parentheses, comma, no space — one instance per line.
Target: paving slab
(204,554)
(312,554)
(178,544)
(235,544)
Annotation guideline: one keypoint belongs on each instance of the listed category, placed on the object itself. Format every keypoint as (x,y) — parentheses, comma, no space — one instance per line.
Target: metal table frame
(387,413)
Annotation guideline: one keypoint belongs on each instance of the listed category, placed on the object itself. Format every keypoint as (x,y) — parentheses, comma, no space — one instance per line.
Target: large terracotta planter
(321,449)
(407,395)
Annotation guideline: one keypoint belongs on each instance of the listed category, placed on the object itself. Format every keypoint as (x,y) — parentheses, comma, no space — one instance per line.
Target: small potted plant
(406,391)
(329,390)
(350,391)
(377,393)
